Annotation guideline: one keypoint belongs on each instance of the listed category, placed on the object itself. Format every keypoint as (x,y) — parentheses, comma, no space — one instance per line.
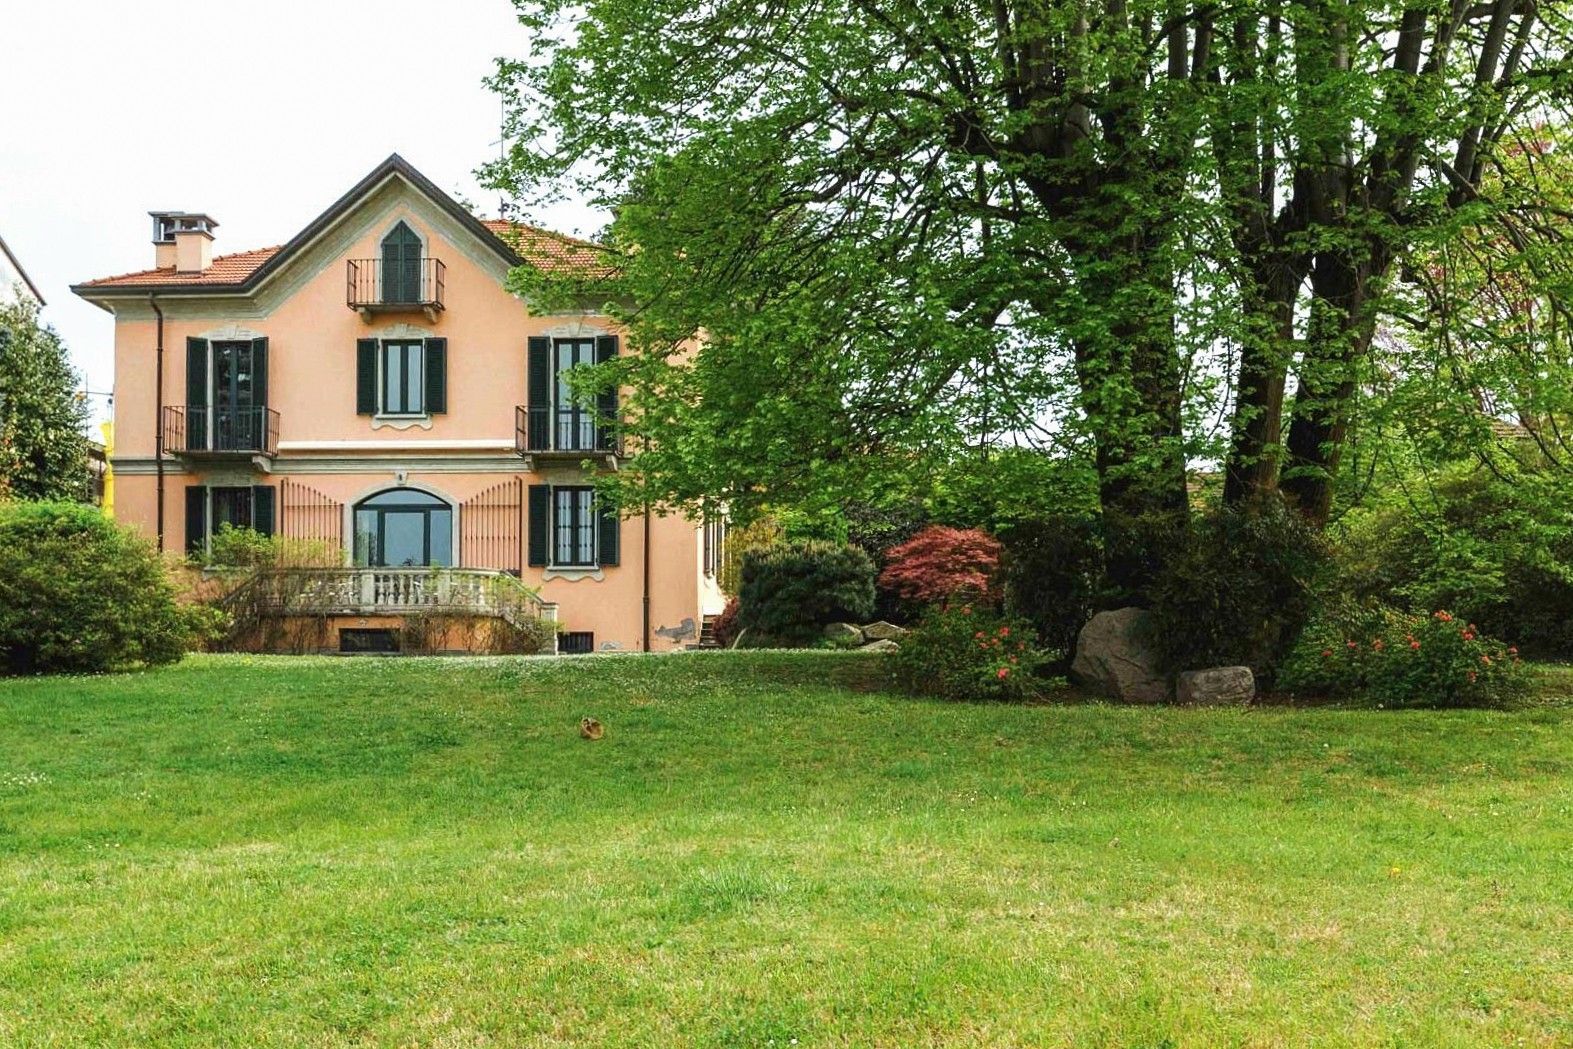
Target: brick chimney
(182,240)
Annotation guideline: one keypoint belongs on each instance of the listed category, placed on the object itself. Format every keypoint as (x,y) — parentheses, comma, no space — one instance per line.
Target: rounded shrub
(968,652)
(80,594)
(790,591)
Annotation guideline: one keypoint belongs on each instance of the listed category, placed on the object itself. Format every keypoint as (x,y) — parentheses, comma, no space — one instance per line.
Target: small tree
(940,564)
(789,592)
(43,444)
(79,594)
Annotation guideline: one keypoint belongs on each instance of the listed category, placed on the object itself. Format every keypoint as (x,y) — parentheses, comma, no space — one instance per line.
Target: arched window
(403,528)
(401,265)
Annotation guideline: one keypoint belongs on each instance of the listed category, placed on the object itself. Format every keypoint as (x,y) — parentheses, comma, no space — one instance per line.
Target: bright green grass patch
(244,852)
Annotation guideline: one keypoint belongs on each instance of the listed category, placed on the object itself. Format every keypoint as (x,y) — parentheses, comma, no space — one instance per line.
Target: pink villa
(371,385)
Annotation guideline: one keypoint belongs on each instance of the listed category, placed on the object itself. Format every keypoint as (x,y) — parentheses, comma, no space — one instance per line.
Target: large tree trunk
(1251,470)
(1339,335)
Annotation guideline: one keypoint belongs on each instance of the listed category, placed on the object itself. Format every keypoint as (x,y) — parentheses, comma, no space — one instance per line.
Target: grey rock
(1115,657)
(846,633)
(884,644)
(883,631)
(1216,685)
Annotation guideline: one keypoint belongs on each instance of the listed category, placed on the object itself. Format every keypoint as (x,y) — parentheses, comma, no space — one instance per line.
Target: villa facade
(372,387)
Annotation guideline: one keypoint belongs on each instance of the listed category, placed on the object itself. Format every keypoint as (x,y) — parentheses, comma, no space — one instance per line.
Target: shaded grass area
(275,851)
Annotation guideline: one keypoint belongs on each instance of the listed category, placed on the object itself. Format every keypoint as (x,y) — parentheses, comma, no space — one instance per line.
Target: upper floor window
(407,377)
(401,265)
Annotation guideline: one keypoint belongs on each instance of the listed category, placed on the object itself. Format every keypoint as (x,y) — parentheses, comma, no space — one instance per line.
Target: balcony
(371,286)
(562,434)
(201,432)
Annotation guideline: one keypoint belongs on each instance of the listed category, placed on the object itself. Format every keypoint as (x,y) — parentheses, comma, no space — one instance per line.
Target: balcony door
(401,265)
(575,422)
(403,528)
(237,398)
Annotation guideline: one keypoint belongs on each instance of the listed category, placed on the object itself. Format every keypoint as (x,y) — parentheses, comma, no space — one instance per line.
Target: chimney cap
(168,223)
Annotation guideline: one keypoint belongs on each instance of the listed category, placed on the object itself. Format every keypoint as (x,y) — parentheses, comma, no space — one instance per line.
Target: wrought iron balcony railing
(376,284)
(204,430)
(568,431)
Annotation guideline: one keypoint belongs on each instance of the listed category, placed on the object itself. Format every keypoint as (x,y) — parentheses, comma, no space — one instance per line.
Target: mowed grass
(273,851)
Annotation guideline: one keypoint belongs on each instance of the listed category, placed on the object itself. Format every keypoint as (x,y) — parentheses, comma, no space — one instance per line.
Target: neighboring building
(372,385)
(14,280)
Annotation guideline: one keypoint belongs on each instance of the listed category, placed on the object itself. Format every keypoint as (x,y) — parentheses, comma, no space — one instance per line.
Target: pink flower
(1003,673)
(978,635)
(1414,645)
(1004,631)
(1326,652)
(1379,644)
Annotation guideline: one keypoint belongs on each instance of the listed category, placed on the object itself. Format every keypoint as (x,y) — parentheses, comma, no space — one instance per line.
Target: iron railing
(417,284)
(574,431)
(205,430)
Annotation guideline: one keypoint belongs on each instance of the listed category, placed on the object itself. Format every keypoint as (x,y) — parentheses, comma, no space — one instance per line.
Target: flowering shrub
(966,652)
(941,564)
(725,628)
(1408,661)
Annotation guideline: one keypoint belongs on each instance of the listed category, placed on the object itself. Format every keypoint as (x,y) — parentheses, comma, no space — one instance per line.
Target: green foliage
(764,531)
(968,652)
(1394,659)
(79,594)
(1236,589)
(1052,570)
(43,449)
(232,547)
(792,590)
(1496,549)
(725,628)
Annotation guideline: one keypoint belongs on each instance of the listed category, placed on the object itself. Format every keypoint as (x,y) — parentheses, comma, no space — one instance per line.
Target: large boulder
(883,631)
(1216,685)
(844,633)
(884,644)
(1116,657)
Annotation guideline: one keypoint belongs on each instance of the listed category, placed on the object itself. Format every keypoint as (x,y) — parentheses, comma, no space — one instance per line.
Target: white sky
(260,114)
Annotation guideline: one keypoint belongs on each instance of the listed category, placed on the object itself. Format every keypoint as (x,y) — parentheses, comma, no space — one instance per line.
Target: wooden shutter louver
(196,394)
(196,519)
(606,400)
(539,522)
(610,528)
(436,376)
(262,508)
(365,376)
(538,394)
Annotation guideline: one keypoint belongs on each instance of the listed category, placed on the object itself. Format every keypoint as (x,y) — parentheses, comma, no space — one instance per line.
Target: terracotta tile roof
(549,250)
(226,269)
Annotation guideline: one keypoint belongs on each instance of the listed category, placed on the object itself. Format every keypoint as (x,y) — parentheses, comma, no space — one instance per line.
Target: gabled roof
(516,243)
(16,264)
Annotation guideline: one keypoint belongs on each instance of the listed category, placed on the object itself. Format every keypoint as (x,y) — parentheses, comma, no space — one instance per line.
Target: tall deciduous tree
(909,229)
(43,446)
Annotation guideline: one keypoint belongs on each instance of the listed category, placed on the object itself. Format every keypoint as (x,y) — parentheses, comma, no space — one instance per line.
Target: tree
(913,232)
(43,444)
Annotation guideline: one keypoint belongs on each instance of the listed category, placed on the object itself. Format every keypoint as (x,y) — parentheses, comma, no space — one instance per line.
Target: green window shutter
(196,394)
(196,519)
(538,394)
(365,376)
(262,504)
(606,400)
(436,376)
(610,527)
(259,365)
(540,523)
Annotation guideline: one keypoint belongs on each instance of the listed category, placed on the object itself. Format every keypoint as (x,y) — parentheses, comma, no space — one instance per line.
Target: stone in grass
(884,644)
(1216,686)
(1115,657)
(883,631)
(844,633)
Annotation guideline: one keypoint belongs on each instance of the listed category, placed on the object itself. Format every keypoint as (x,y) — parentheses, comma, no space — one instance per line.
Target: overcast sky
(260,114)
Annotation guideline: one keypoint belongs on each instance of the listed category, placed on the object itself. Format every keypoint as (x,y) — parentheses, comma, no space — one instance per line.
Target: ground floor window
(573,526)
(211,507)
(403,528)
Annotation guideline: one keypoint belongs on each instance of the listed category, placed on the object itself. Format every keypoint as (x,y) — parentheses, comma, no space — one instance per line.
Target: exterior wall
(323,443)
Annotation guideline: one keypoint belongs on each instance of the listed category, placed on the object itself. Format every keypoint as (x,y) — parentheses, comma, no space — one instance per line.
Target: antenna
(502,152)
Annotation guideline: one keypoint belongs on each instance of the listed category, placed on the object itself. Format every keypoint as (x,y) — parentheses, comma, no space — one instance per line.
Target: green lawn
(243,851)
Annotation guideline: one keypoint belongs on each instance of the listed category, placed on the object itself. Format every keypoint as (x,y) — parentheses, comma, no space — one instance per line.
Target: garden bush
(1402,660)
(968,652)
(790,591)
(80,594)
(725,628)
(1051,571)
(1236,589)
(1497,551)
(940,565)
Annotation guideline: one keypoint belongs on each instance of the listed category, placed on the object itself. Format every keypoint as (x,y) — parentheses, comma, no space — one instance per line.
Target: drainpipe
(647,576)
(158,419)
